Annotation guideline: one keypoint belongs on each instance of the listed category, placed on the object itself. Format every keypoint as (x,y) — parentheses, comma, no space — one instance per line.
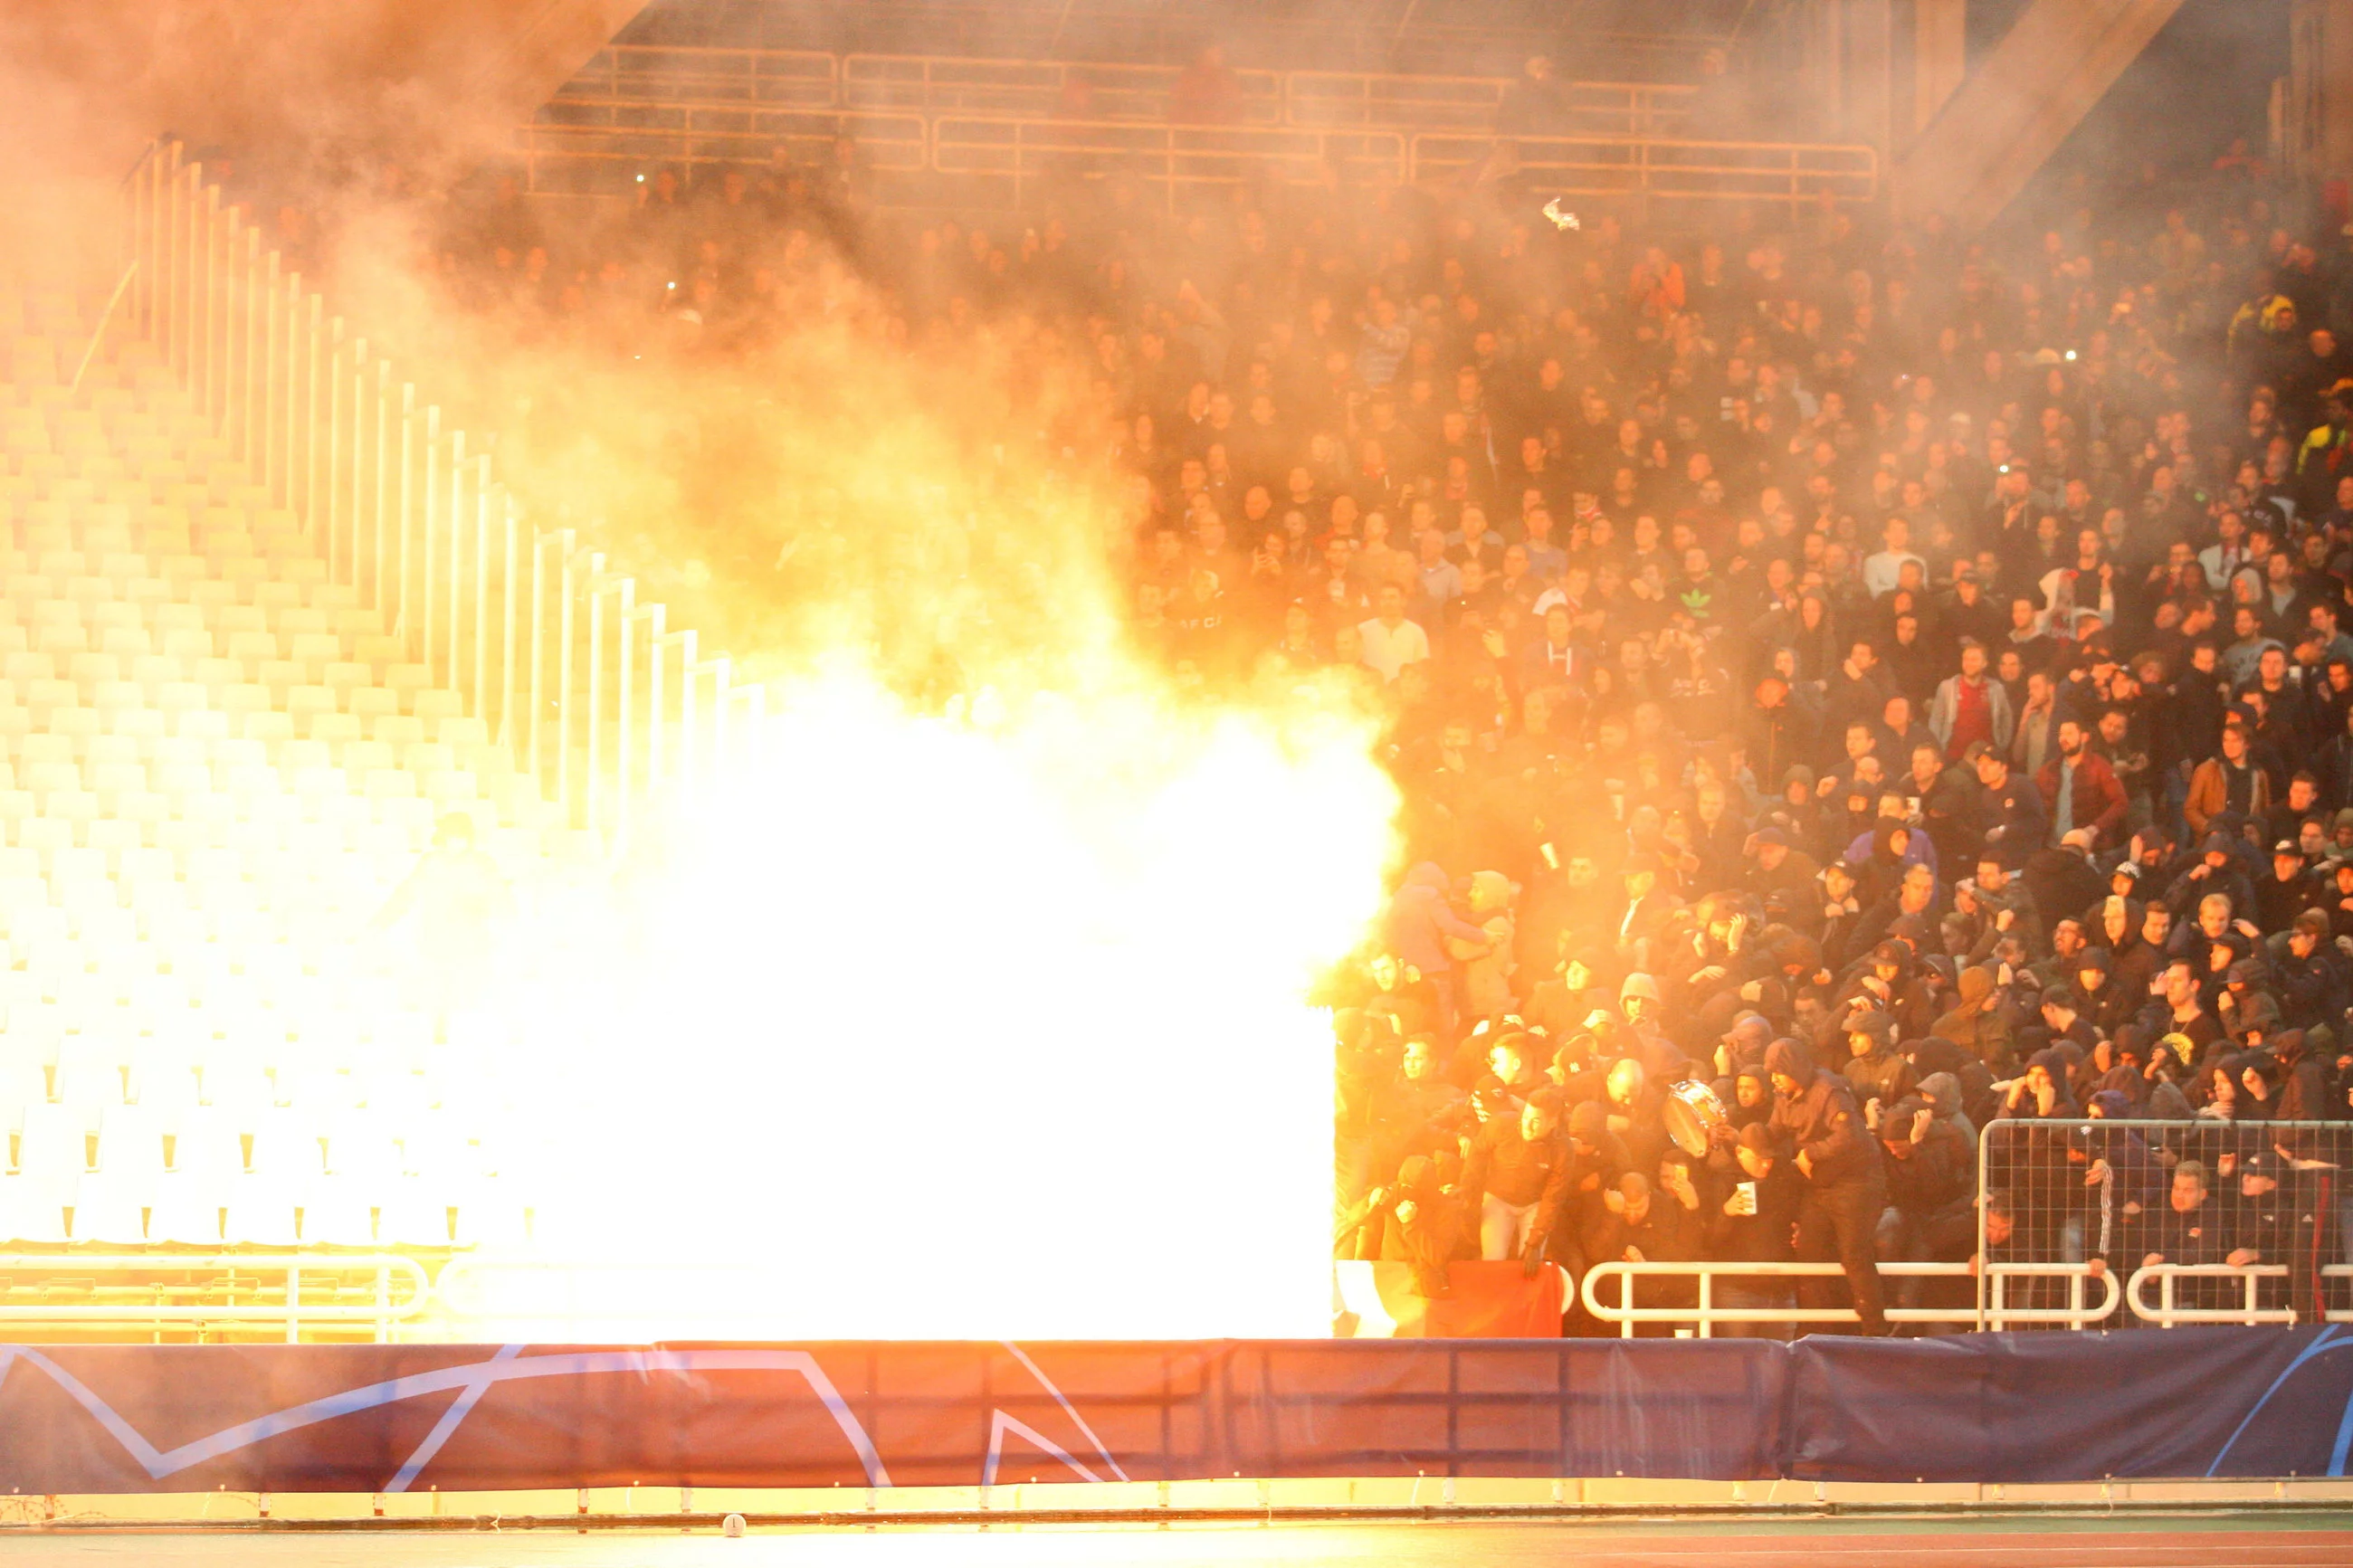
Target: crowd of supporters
(1898,681)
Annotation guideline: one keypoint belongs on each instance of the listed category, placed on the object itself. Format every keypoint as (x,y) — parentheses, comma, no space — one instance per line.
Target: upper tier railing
(666,75)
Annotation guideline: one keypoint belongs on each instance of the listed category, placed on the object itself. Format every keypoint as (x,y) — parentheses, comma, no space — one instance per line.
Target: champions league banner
(368,1418)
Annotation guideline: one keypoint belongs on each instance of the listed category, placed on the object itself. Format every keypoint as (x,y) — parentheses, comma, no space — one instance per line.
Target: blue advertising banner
(369,1418)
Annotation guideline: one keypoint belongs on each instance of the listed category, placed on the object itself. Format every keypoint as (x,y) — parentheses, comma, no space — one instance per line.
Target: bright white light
(960,1029)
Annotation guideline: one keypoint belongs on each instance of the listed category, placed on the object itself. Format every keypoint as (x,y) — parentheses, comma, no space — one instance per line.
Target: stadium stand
(219,766)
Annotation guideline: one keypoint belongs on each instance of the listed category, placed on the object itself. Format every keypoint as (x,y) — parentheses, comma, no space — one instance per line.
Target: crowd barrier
(2196,1402)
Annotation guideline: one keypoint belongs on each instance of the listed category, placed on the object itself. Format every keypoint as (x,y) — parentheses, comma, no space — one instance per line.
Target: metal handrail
(893,143)
(290,1311)
(1299,99)
(2165,1314)
(1265,98)
(1705,1314)
(1186,154)
(1017,146)
(1611,164)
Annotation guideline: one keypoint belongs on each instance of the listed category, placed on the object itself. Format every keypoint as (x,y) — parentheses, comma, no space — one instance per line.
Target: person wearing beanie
(1744,1044)
(2063,1014)
(1879,1077)
(2041,1091)
(1845,1189)
(2313,985)
(1975,1022)
(2100,1006)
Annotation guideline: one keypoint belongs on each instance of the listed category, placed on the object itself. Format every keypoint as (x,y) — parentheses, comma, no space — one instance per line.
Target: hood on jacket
(1942,1090)
(1976,985)
(1789,1056)
(1490,892)
(1935,1054)
(1744,1043)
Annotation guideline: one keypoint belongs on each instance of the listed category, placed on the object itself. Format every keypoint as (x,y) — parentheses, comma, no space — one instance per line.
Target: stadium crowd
(1896,682)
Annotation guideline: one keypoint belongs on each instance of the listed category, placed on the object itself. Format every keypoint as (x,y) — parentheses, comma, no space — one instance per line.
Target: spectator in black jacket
(1838,1216)
(1757,1223)
(1879,1077)
(2010,808)
(1929,1179)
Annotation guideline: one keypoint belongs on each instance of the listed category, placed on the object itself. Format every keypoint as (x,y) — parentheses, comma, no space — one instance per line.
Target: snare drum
(1693,1113)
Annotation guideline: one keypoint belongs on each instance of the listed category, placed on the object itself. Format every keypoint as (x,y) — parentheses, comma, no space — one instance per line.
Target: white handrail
(1705,1314)
(290,1311)
(2165,1314)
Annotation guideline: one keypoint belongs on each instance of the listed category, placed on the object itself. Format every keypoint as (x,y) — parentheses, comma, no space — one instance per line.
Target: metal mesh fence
(2202,1221)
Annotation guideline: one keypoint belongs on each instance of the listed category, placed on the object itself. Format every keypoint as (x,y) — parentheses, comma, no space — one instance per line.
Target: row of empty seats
(215,766)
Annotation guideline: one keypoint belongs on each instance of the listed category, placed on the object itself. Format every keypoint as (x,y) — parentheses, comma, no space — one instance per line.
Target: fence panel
(2206,1221)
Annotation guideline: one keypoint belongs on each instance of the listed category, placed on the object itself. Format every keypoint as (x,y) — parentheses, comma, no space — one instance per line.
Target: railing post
(209,311)
(653,615)
(431,529)
(382,398)
(564,688)
(401,627)
(601,585)
(505,733)
(537,621)
(483,507)
(261,318)
(721,670)
(457,473)
(336,550)
(318,378)
(667,766)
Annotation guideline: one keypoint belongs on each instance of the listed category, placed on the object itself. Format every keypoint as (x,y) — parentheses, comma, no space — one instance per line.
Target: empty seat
(186,1211)
(110,1211)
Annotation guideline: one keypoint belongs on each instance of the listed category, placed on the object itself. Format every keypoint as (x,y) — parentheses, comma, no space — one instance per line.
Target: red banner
(1482,1301)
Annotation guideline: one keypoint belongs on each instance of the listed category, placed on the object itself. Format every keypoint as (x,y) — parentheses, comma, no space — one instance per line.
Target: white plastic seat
(88,1082)
(186,1211)
(414,1213)
(33,1213)
(131,1141)
(110,1211)
(489,1214)
(24,1083)
(53,1147)
(338,1211)
(260,1213)
(209,1146)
